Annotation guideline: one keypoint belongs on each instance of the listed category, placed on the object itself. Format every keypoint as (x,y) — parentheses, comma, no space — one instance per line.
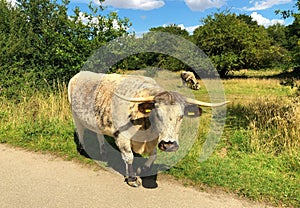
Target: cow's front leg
(145,170)
(127,156)
(152,158)
(184,83)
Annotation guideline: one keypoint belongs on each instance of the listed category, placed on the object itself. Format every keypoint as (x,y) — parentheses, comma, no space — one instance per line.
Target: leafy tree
(278,33)
(62,43)
(234,42)
(150,59)
(293,34)
(165,61)
(248,20)
(173,29)
(40,43)
(280,45)
(15,49)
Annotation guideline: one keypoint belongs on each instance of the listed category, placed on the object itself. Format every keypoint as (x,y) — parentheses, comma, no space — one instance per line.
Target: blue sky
(145,14)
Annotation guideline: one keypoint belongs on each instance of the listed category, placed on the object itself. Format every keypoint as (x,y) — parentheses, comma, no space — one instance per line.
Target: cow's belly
(144,141)
(145,147)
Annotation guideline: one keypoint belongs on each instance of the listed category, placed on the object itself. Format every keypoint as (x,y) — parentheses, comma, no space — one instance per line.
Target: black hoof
(149,182)
(133,182)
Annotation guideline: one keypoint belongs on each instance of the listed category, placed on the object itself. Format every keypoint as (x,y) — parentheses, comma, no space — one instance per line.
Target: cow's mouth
(168,146)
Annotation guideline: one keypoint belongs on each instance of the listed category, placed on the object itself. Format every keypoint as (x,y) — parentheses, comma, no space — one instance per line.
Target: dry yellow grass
(274,124)
(269,112)
(247,90)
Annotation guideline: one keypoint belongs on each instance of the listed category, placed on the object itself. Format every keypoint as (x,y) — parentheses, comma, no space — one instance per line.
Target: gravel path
(37,180)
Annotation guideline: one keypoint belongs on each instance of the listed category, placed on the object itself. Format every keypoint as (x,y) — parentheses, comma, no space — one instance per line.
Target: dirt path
(34,180)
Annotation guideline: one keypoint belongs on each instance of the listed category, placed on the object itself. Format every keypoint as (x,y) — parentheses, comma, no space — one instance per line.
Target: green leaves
(234,42)
(39,40)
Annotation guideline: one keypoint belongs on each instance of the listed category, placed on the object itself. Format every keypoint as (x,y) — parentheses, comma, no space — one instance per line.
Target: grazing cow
(189,79)
(134,110)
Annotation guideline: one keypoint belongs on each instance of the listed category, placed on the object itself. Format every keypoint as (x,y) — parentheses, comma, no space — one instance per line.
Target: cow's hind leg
(127,156)
(80,134)
(102,149)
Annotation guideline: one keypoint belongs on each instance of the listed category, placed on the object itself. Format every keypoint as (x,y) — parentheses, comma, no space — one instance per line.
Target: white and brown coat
(134,110)
(188,78)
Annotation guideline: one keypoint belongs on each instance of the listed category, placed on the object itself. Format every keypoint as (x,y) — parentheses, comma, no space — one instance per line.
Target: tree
(63,43)
(233,42)
(40,41)
(173,29)
(15,49)
(278,34)
(293,34)
(165,61)
(150,59)
(248,20)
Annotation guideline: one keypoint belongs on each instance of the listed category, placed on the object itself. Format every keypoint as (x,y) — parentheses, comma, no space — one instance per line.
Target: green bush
(41,44)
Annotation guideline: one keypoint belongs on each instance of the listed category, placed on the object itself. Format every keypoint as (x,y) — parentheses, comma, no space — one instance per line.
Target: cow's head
(165,111)
(196,86)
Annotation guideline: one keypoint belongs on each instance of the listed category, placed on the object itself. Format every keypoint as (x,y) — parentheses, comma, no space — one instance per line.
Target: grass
(258,176)
(258,156)
(41,122)
(272,124)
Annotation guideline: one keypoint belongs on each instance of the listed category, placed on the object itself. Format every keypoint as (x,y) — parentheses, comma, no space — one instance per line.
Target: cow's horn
(141,99)
(197,102)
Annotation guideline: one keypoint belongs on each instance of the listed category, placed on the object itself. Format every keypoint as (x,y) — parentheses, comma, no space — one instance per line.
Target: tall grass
(275,124)
(41,121)
(272,124)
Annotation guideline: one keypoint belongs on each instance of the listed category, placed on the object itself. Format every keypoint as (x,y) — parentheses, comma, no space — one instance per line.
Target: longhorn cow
(134,110)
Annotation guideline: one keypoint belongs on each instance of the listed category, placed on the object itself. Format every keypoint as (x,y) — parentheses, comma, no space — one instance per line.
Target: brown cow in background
(189,79)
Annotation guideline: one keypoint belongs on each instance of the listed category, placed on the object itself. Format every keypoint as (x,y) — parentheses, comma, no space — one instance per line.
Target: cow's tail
(71,86)
(69,90)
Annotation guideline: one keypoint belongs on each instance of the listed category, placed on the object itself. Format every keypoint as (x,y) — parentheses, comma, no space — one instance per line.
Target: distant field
(259,153)
(257,157)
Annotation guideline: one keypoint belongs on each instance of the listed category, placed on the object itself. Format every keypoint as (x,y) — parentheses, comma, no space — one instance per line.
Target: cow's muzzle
(168,146)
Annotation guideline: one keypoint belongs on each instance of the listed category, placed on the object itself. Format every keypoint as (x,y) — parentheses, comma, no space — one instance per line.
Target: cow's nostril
(168,146)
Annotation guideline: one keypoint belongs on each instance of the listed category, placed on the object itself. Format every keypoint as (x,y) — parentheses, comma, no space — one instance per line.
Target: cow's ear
(146,107)
(192,110)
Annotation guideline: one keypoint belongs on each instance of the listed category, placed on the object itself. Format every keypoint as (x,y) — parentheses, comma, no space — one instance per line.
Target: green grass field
(258,156)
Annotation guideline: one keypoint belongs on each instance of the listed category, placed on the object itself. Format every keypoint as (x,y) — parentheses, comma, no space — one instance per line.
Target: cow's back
(95,104)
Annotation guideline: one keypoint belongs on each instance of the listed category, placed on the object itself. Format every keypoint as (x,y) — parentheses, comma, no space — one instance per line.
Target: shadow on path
(112,158)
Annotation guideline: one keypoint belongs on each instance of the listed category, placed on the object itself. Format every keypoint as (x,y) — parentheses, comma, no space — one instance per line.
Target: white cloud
(190,29)
(266,4)
(85,19)
(134,4)
(201,5)
(95,21)
(12,2)
(265,21)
